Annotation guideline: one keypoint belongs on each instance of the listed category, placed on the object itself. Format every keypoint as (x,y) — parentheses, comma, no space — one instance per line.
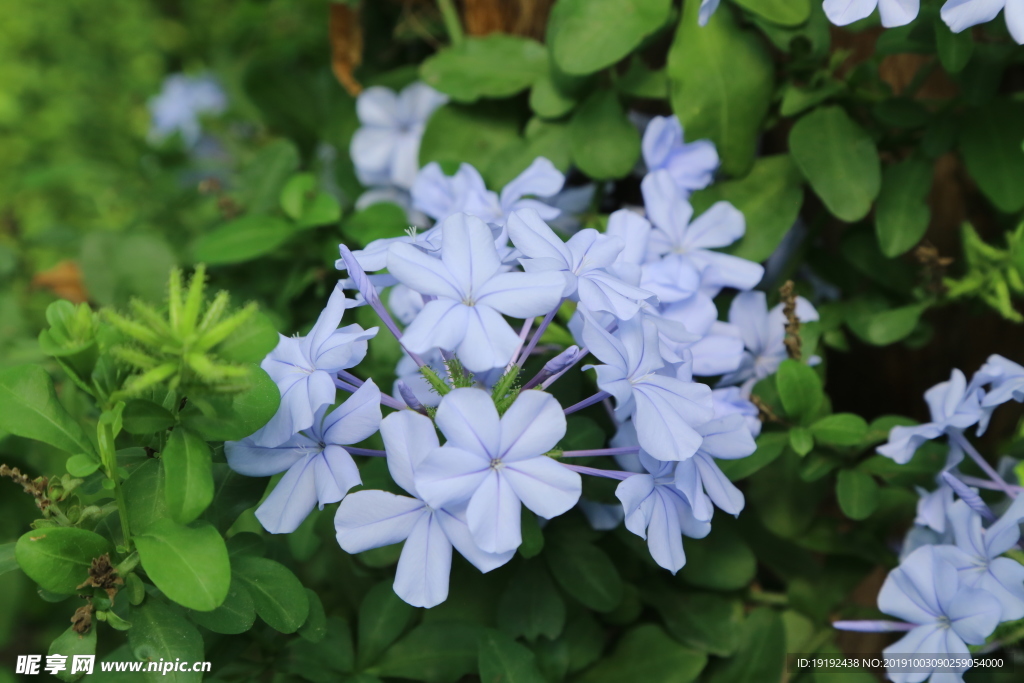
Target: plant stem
(595,472)
(108,456)
(537,335)
(452,24)
(596,398)
(961,441)
(625,450)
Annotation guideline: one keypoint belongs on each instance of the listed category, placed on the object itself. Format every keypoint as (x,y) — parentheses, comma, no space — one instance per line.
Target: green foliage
(123,402)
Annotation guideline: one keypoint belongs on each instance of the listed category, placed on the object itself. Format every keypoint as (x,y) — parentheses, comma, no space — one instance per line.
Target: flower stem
(365,451)
(452,24)
(595,472)
(873,626)
(385,400)
(961,441)
(626,450)
(537,335)
(596,398)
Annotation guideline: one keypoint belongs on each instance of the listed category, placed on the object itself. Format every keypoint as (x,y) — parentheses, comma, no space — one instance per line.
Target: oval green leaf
(189,564)
(58,558)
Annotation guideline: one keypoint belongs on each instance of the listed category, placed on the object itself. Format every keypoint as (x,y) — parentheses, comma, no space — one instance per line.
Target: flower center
(496,464)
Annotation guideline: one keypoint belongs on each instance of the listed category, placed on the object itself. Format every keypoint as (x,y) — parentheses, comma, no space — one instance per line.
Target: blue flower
(664,409)
(700,479)
(685,250)
(470,295)
(976,555)
(954,407)
(707,8)
(691,165)
(304,370)
(440,196)
(497,464)
(385,149)
(962,14)
(894,12)
(927,591)
(371,519)
(659,512)
(1005,379)
(732,401)
(763,332)
(583,261)
(180,103)
(318,469)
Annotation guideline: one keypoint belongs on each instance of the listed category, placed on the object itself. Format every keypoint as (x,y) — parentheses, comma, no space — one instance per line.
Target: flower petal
(494,515)
(421,578)
(533,425)
(372,519)
(292,499)
(356,419)
(544,486)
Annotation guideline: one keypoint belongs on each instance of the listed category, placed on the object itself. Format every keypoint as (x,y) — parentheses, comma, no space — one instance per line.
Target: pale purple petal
(544,486)
(898,12)
(292,499)
(457,530)
(469,420)
(372,519)
(449,476)
(408,437)
(356,419)
(488,342)
(421,578)
(844,12)
(719,226)
(522,295)
(533,425)
(252,460)
(494,515)
(962,14)
(336,473)
(441,324)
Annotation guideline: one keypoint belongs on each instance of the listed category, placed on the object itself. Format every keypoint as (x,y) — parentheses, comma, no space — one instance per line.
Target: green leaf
(531,605)
(769,446)
(841,429)
(533,535)
(472,134)
(587,35)
(548,139)
(377,221)
(296,193)
(503,660)
(82,465)
(144,495)
(642,81)
(801,440)
(159,632)
(29,408)
(884,327)
(145,417)
(234,418)
(990,141)
(315,628)
(586,573)
(761,655)
(436,652)
(721,561)
(277,593)
(839,160)
(722,79)
(770,197)
(8,562)
(548,101)
(647,654)
(857,493)
(383,616)
(704,621)
(243,239)
(251,342)
(604,143)
(265,175)
(781,12)
(496,65)
(954,49)
(70,644)
(799,388)
(235,615)
(189,480)
(58,558)
(902,214)
(189,564)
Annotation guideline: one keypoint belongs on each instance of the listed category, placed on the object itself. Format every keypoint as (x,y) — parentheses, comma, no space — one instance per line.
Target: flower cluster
(959,15)
(182,100)
(469,442)
(954,584)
